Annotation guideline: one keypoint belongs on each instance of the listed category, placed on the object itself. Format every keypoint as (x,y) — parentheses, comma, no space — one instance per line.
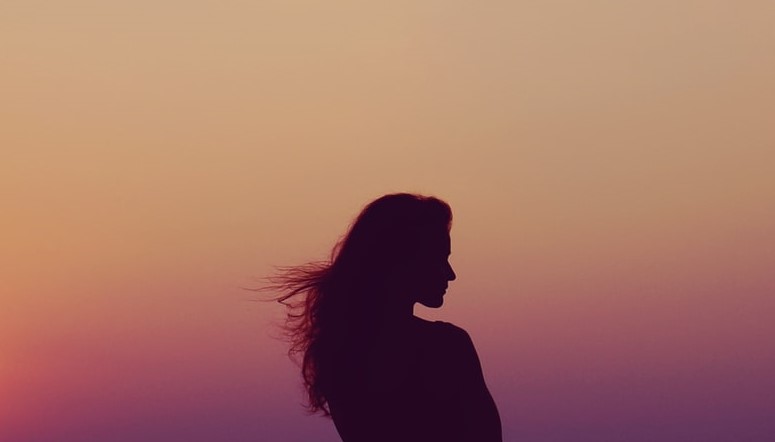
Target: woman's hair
(331,304)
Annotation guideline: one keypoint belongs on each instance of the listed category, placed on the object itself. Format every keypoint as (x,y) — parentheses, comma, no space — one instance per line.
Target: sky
(610,166)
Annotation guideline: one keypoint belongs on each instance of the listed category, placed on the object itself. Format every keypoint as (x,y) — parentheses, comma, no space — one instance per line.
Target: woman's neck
(399,313)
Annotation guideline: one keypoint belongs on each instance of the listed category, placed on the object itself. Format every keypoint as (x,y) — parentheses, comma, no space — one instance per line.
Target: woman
(381,373)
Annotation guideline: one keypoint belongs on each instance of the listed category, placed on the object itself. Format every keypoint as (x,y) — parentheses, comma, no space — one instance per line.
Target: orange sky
(610,166)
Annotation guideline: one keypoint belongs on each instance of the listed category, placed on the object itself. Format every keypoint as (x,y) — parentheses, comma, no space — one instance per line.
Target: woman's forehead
(438,242)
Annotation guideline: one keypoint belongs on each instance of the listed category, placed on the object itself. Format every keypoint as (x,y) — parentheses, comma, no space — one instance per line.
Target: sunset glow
(610,165)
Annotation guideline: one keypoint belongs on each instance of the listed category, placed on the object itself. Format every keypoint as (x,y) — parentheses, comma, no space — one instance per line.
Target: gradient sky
(610,164)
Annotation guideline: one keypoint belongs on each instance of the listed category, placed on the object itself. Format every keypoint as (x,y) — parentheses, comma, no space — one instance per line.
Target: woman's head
(397,250)
(394,254)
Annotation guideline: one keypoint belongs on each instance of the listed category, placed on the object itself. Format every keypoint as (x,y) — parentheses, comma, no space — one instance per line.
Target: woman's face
(429,272)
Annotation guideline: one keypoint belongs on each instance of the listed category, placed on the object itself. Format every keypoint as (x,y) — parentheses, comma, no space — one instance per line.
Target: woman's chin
(432,301)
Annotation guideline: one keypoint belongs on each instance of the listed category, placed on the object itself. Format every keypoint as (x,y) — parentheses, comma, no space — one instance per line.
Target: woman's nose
(451,276)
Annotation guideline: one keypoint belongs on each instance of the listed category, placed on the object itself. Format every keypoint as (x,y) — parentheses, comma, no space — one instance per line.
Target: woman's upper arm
(480,409)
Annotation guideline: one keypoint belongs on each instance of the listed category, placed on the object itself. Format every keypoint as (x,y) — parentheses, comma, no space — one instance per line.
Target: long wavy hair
(332,304)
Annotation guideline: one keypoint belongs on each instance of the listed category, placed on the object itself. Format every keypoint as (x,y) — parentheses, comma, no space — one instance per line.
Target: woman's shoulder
(447,328)
(449,346)
(446,333)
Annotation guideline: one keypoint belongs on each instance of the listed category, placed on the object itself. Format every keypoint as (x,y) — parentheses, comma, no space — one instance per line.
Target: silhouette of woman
(381,373)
